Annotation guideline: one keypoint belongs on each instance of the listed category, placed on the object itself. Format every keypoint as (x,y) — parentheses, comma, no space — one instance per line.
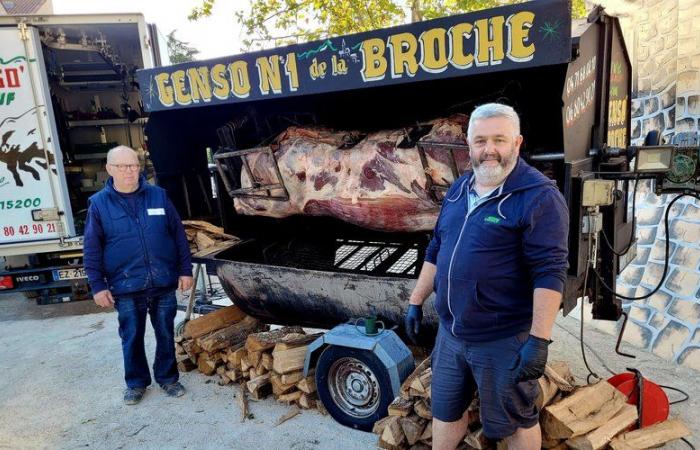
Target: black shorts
(460,368)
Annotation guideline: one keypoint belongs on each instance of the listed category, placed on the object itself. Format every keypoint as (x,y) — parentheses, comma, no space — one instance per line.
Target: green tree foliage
(270,23)
(179,51)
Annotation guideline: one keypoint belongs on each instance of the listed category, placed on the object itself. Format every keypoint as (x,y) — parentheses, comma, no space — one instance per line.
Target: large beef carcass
(377,181)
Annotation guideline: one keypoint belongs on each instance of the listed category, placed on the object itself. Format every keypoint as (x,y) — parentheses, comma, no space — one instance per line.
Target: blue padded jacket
(490,259)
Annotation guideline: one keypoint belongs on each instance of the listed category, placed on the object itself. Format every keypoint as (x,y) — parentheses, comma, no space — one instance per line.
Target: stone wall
(663,38)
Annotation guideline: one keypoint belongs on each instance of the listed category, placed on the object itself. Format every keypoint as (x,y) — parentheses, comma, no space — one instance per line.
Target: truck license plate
(69,274)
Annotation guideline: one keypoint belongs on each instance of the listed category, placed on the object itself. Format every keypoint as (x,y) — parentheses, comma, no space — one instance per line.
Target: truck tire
(354,386)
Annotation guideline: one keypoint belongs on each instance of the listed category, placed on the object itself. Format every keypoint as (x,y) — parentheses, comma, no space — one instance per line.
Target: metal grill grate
(406,263)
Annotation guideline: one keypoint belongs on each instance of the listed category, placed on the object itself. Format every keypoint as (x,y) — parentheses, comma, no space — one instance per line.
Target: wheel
(354,386)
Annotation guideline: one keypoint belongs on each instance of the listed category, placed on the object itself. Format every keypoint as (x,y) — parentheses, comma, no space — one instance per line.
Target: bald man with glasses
(136,255)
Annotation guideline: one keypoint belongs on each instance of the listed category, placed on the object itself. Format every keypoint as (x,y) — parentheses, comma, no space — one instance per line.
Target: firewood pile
(205,238)
(579,417)
(241,350)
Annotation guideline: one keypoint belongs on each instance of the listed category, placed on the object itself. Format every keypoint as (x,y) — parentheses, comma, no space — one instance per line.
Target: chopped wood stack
(205,238)
(589,417)
(241,350)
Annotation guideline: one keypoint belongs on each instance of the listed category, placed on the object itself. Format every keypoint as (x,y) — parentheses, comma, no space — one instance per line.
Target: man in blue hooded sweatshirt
(497,263)
(136,255)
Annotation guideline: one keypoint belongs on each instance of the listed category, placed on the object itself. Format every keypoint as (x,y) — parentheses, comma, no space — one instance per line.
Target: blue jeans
(132,327)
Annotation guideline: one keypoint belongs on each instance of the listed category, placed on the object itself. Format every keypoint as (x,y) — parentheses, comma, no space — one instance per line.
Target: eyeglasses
(125,167)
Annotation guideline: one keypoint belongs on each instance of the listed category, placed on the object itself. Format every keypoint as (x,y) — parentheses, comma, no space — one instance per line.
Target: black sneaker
(133,395)
(173,389)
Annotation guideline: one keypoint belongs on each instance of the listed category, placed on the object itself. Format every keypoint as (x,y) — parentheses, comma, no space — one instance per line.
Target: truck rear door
(34,202)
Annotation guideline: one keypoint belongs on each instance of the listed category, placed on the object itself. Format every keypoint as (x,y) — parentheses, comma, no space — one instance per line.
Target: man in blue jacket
(136,255)
(497,263)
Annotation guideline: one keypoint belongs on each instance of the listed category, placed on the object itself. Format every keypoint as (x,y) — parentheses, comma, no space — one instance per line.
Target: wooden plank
(601,436)
(652,436)
(229,336)
(583,411)
(401,407)
(288,360)
(267,340)
(412,427)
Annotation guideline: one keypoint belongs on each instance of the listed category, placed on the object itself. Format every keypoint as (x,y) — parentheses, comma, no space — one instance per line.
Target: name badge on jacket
(156,211)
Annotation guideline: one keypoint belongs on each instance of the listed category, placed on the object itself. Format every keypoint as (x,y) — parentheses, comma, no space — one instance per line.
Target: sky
(218,35)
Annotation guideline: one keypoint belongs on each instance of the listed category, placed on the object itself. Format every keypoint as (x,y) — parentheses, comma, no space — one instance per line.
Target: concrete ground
(61,387)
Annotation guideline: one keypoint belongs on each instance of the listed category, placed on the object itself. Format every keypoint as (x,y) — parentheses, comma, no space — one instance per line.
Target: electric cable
(666,257)
(634,224)
(591,373)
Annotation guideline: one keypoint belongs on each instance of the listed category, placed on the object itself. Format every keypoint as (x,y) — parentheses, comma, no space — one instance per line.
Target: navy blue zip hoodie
(134,243)
(490,259)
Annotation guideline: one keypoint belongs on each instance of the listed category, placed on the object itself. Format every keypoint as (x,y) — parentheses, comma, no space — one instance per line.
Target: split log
(278,387)
(294,340)
(213,321)
(549,443)
(405,387)
(229,336)
(307,385)
(185,364)
(585,410)
(427,436)
(206,364)
(233,374)
(259,342)
(290,397)
(266,361)
(401,407)
(260,369)
(652,436)
(203,241)
(254,358)
(293,377)
(392,434)
(378,427)
(288,360)
(245,364)
(600,437)
(307,401)
(234,357)
(210,229)
(260,387)
(243,402)
(293,412)
(476,439)
(420,446)
(223,380)
(557,377)
(412,427)
(422,408)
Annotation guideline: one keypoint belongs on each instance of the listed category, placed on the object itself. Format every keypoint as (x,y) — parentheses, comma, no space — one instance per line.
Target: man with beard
(497,263)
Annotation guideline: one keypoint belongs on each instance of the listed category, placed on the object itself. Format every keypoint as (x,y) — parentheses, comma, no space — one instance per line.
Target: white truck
(67,94)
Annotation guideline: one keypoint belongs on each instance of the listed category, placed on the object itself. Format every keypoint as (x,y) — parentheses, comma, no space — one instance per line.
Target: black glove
(531,359)
(414,315)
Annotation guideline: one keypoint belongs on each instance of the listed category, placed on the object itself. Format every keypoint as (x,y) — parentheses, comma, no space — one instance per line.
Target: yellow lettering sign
(374,63)
(165,92)
(240,83)
(403,48)
(433,44)
(458,57)
(489,48)
(182,97)
(290,69)
(199,84)
(519,25)
(218,77)
(269,74)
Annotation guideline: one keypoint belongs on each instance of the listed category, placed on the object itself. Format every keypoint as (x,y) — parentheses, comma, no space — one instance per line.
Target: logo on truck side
(27,279)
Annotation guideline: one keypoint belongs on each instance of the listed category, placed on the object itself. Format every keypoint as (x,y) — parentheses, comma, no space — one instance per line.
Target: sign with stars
(505,38)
